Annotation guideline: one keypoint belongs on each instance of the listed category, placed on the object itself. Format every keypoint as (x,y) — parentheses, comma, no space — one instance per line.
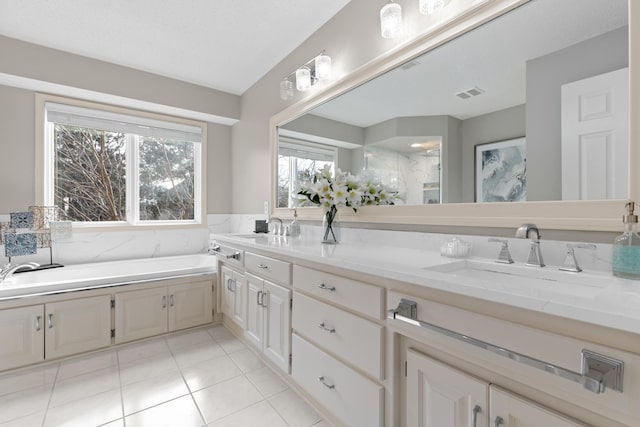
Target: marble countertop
(92,275)
(589,296)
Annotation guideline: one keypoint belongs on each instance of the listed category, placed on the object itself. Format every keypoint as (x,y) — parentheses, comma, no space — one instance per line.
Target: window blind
(117,122)
(296,148)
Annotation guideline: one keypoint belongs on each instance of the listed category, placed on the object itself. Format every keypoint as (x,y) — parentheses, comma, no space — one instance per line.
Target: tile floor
(201,377)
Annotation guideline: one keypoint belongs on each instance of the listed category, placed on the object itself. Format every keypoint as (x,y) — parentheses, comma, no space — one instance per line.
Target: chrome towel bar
(599,372)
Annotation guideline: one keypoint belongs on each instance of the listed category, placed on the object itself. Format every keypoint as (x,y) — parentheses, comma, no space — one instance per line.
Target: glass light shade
(286,89)
(303,79)
(429,7)
(391,20)
(323,67)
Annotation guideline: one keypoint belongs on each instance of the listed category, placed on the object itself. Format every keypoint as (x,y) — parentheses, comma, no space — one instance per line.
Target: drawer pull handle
(171,300)
(263,266)
(38,322)
(324,328)
(498,421)
(229,284)
(258,298)
(262,302)
(50,320)
(164,301)
(476,410)
(326,384)
(327,288)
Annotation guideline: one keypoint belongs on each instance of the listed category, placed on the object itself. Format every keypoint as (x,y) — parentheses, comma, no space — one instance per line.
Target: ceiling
(222,44)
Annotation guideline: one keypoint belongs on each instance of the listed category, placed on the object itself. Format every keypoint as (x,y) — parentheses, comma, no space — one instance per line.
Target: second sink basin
(524,280)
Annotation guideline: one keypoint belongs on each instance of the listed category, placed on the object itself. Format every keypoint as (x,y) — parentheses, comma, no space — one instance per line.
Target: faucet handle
(505,256)
(570,261)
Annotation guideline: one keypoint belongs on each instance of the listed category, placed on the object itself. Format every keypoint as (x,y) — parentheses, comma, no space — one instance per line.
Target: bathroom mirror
(438,124)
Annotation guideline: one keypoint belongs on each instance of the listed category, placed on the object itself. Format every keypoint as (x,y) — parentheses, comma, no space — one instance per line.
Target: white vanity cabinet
(440,395)
(268,325)
(21,336)
(34,333)
(157,310)
(234,295)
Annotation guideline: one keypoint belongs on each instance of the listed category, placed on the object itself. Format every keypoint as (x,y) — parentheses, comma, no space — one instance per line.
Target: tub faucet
(9,269)
(531,232)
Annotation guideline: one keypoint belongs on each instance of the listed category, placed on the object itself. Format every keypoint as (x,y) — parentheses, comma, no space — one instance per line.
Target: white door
(595,137)
(190,304)
(509,410)
(438,395)
(255,311)
(141,314)
(21,336)
(277,325)
(77,325)
(239,313)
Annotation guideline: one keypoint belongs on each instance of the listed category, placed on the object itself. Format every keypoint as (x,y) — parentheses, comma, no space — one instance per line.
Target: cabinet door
(255,310)
(226,292)
(190,305)
(438,395)
(239,288)
(141,314)
(277,324)
(78,325)
(21,336)
(509,410)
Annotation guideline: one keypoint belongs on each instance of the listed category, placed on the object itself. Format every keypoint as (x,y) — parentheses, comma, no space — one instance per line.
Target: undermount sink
(524,280)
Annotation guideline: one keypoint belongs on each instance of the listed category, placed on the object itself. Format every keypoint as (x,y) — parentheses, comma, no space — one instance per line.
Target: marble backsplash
(90,246)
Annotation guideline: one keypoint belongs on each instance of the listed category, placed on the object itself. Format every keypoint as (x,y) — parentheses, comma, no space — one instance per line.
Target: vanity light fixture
(429,7)
(315,70)
(391,20)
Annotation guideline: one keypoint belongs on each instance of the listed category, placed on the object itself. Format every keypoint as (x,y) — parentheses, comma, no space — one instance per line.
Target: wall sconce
(391,20)
(316,70)
(429,7)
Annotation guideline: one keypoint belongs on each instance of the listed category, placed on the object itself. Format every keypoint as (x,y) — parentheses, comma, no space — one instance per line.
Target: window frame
(45,167)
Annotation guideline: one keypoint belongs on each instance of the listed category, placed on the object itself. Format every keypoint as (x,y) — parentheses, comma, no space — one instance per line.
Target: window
(297,162)
(119,167)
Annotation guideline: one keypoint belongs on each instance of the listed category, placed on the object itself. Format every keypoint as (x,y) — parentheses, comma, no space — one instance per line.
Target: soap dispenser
(294,227)
(626,248)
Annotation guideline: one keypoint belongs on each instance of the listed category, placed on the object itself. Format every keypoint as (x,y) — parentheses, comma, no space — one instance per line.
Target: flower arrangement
(331,192)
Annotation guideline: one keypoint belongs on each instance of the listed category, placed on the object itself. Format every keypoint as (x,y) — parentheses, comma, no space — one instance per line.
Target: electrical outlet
(266,207)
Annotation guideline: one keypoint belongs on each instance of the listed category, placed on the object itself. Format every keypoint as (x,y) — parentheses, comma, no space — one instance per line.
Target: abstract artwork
(21,219)
(501,171)
(18,244)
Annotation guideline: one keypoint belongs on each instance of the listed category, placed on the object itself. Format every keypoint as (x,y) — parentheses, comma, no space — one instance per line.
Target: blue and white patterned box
(18,244)
(21,219)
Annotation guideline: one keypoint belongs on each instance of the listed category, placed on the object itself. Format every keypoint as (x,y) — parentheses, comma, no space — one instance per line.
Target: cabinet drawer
(356,340)
(352,398)
(269,268)
(358,296)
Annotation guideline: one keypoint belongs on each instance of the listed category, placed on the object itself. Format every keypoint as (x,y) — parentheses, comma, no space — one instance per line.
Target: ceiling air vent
(474,91)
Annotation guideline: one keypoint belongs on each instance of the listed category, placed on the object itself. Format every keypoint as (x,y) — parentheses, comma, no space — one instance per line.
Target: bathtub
(100,274)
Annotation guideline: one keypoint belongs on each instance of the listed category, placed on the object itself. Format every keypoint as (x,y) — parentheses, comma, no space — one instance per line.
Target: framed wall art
(501,171)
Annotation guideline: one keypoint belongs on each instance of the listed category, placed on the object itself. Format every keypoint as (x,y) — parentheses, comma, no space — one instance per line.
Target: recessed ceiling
(222,44)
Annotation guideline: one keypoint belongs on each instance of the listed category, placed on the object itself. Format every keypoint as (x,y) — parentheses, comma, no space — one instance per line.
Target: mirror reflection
(549,78)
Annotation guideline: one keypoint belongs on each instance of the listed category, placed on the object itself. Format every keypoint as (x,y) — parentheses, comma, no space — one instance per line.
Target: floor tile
(266,381)
(94,410)
(195,353)
(295,411)
(116,423)
(225,398)
(231,344)
(179,412)
(323,423)
(84,364)
(144,369)
(210,372)
(85,385)
(144,394)
(33,420)
(153,347)
(184,339)
(219,332)
(259,415)
(27,378)
(246,360)
(25,402)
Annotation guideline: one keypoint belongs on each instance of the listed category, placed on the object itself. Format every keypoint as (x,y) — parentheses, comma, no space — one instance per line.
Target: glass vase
(330,227)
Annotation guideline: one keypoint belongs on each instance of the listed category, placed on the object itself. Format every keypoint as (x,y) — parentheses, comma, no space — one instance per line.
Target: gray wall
(496,126)
(545,75)
(17,114)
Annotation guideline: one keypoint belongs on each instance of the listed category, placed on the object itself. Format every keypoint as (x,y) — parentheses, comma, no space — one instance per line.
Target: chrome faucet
(9,269)
(531,232)
(570,261)
(505,256)
(277,228)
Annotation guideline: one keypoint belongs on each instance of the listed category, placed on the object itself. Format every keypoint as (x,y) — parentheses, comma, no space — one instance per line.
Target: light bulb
(286,89)
(391,20)
(323,67)
(429,7)
(303,79)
